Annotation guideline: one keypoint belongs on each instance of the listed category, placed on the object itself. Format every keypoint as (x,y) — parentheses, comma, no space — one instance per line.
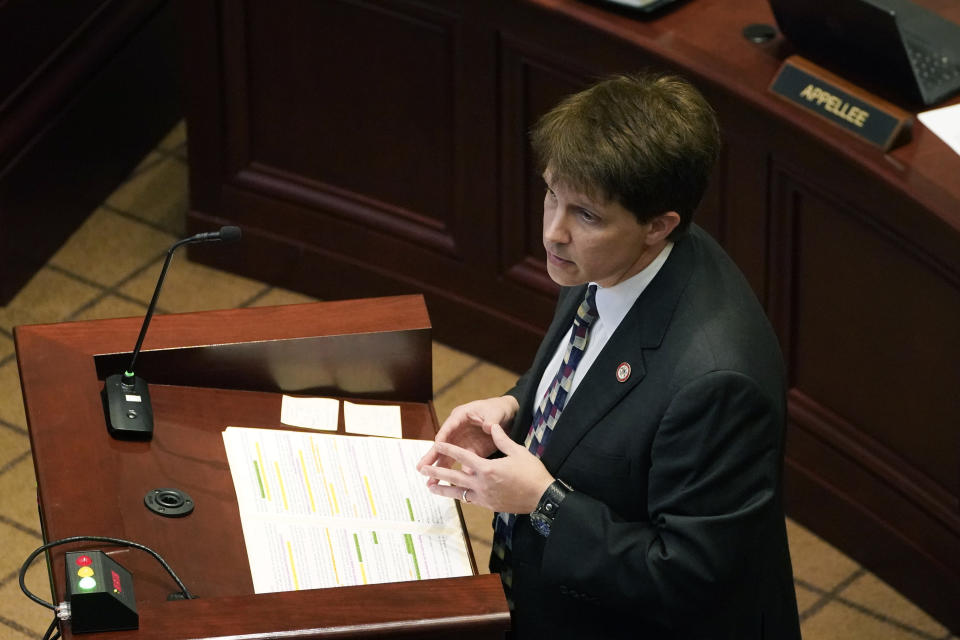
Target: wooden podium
(208,371)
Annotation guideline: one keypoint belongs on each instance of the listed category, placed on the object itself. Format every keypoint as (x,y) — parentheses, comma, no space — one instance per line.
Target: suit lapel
(643,328)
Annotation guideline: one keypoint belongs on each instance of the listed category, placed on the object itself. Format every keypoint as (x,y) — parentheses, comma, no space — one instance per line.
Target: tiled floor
(109,268)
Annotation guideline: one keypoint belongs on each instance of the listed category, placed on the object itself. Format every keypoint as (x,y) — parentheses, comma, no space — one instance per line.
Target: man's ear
(662,226)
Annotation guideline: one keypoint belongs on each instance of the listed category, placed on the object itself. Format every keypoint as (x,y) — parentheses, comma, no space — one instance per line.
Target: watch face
(540,523)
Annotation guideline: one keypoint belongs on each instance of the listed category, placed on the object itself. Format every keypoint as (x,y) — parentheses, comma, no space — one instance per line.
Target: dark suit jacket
(675,527)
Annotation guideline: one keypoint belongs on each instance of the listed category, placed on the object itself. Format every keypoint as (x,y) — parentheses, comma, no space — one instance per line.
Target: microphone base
(127,408)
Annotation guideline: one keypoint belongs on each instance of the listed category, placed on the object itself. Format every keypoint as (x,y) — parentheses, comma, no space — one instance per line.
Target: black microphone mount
(126,395)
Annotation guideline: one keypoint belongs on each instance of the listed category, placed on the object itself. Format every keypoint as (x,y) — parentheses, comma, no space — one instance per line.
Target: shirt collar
(614,302)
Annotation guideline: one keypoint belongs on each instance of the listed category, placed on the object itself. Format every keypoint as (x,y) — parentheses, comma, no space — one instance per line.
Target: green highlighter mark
(413,554)
(356,542)
(410,510)
(256,469)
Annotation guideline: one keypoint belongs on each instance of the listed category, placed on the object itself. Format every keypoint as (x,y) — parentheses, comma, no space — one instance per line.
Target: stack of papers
(324,510)
(945,122)
(323,414)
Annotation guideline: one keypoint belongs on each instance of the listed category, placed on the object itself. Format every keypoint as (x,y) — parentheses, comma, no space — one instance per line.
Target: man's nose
(555,229)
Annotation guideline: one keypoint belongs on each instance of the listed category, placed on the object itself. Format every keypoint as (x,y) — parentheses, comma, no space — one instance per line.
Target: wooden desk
(91,484)
(381,147)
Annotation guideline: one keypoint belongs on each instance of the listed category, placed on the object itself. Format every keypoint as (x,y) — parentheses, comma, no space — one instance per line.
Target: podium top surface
(91,484)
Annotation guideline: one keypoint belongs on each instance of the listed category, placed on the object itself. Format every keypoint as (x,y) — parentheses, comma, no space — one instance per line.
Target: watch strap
(552,498)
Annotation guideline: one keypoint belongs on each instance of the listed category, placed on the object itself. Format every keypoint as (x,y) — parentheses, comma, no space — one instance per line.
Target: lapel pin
(623,372)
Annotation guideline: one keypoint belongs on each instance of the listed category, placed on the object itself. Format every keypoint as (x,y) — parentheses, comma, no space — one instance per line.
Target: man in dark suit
(639,488)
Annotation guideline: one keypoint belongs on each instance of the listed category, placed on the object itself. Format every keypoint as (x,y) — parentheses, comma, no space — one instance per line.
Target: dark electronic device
(100,593)
(896,45)
(126,396)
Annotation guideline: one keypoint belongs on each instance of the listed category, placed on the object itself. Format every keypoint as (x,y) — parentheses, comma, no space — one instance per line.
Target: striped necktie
(544,420)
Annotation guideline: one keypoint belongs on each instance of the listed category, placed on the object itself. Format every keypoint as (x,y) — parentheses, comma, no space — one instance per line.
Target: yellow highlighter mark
(323,475)
(316,455)
(266,485)
(373,507)
(293,567)
(306,481)
(283,489)
(333,496)
(333,559)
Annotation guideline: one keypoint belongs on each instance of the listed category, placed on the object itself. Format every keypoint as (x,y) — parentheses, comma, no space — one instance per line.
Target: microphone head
(230,234)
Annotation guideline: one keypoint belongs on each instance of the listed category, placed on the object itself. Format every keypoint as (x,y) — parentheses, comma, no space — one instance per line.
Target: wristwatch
(542,517)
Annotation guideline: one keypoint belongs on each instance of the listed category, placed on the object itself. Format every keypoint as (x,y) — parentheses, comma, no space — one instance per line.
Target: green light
(87,583)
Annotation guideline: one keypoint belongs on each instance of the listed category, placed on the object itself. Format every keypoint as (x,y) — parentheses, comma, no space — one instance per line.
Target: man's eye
(587,216)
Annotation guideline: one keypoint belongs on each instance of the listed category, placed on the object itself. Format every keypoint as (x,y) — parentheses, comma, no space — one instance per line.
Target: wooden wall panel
(531,83)
(381,151)
(899,330)
(870,317)
(740,220)
(868,324)
(87,88)
(35,46)
(833,494)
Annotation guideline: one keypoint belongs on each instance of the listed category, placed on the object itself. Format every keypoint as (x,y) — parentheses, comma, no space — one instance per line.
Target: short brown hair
(647,141)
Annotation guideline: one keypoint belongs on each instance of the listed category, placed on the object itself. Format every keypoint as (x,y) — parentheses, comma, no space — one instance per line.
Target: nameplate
(854,110)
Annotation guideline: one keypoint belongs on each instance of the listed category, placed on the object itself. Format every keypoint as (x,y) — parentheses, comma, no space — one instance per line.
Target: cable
(116,541)
(53,623)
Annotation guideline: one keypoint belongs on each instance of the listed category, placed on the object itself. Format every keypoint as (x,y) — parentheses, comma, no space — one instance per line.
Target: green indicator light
(87,583)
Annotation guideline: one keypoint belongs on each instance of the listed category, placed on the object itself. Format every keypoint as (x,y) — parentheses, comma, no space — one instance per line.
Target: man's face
(591,241)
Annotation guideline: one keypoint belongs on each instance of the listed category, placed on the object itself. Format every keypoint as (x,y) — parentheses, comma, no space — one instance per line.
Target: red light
(116,581)
(84,561)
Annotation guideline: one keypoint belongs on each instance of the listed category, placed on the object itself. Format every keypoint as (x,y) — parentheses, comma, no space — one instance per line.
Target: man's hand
(468,427)
(513,483)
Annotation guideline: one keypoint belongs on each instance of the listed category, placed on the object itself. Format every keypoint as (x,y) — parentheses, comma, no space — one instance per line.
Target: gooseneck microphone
(126,396)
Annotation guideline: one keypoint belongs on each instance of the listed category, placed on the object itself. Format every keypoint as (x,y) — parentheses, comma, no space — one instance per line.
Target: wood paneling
(531,82)
(891,326)
(867,320)
(86,90)
(381,155)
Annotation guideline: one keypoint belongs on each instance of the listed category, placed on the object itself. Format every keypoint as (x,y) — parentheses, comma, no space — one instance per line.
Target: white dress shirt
(613,303)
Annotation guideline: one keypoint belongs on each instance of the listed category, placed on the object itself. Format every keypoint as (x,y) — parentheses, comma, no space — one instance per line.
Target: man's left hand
(513,483)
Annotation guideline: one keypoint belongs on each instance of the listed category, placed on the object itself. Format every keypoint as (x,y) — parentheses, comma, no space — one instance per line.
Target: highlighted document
(323,510)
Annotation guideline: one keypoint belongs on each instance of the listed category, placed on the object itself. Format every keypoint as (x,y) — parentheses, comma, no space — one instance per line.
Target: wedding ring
(463,496)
